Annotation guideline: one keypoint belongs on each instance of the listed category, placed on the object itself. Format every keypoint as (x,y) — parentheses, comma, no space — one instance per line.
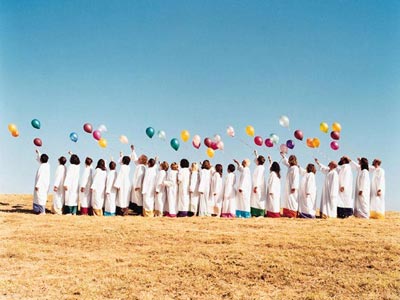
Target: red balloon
(97,135)
(37,142)
(214,146)
(196,145)
(298,134)
(335,135)
(208,142)
(88,127)
(258,140)
(334,145)
(269,143)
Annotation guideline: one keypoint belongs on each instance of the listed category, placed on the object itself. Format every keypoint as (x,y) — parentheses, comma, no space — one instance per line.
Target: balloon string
(243,142)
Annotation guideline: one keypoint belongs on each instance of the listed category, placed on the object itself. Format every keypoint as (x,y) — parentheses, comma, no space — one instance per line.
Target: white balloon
(161,134)
(230,131)
(217,138)
(274,138)
(196,139)
(102,128)
(123,139)
(284,121)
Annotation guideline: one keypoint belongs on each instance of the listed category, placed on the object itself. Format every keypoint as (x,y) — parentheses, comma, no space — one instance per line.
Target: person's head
(344,160)
(246,163)
(174,166)
(62,160)
(184,163)
(219,169)
(44,158)
(142,159)
(151,162)
(275,167)
(364,163)
(260,160)
(101,164)
(194,167)
(74,160)
(112,165)
(231,168)
(292,160)
(126,160)
(164,166)
(376,162)
(88,161)
(332,165)
(311,168)
(206,165)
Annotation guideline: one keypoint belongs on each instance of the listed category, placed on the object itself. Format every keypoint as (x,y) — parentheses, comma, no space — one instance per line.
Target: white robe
(307,194)
(183,189)
(362,203)
(172,192)
(216,194)
(122,184)
(378,183)
(42,183)
(86,182)
(229,202)
(330,192)
(161,195)
(292,182)
(204,190)
(258,200)
(243,198)
(274,193)
(137,183)
(98,188)
(346,199)
(149,188)
(58,198)
(111,192)
(194,192)
(72,183)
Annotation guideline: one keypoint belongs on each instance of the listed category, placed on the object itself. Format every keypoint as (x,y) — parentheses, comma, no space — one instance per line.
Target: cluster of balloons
(97,134)
(150,132)
(335,133)
(36,124)
(12,128)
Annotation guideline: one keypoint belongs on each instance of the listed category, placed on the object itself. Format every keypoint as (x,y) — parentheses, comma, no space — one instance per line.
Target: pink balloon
(97,135)
(88,127)
(207,142)
(196,144)
(269,143)
(220,145)
(37,142)
(283,148)
(334,145)
(298,134)
(335,135)
(258,140)
(214,146)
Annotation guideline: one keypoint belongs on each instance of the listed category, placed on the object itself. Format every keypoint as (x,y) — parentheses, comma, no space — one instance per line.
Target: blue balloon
(73,136)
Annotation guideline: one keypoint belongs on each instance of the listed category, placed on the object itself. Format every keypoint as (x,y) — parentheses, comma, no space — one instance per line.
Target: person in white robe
(85,194)
(307,193)
(111,191)
(258,195)
(58,187)
(274,191)
(98,188)
(216,191)
(363,189)
(345,206)
(330,190)
(171,209)
(204,189)
(137,181)
(161,191)
(244,189)
(71,186)
(122,184)
(377,209)
(194,190)
(292,183)
(229,194)
(149,188)
(42,183)
(183,188)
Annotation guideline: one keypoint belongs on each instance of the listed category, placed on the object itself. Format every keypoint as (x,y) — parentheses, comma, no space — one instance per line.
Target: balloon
(334,145)
(185,135)
(217,138)
(150,132)
(102,128)
(283,149)
(214,146)
(258,140)
(250,130)
(175,144)
(269,143)
(230,131)
(88,127)
(35,123)
(316,142)
(73,137)
(37,142)
(220,145)
(290,144)
(102,142)
(274,138)
(207,142)
(335,135)
(324,127)
(310,143)
(196,144)
(336,127)
(15,133)
(161,134)
(210,152)
(97,135)
(123,139)
(12,127)
(298,134)
(284,121)
(197,139)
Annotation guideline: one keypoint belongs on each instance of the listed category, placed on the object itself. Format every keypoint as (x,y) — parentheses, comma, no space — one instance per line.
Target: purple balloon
(97,135)
(290,144)
(269,143)
(334,145)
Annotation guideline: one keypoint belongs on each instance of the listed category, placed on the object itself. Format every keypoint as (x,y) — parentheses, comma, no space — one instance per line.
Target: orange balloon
(310,143)
(316,142)
(15,133)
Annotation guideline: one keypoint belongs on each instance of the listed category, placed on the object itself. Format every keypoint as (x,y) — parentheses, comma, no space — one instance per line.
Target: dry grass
(69,257)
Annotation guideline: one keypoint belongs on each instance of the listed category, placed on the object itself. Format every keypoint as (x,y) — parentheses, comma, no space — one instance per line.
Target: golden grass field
(77,257)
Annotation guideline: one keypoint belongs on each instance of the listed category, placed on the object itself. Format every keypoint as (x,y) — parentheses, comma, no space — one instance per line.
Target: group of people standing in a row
(163,189)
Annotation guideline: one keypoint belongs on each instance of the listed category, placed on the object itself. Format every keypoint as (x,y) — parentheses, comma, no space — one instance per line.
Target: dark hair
(231,168)
(151,162)
(311,168)
(88,161)
(112,165)
(62,160)
(74,159)
(164,166)
(101,164)
(364,164)
(184,163)
(44,158)
(343,161)
(218,169)
(126,160)
(206,164)
(275,167)
(260,160)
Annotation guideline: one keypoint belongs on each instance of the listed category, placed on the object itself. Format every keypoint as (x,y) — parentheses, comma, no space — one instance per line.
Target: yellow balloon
(324,127)
(12,128)
(250,130)
(316,142)
(15,133)
(102,143)
(336,127)
(210,152)
(185,135)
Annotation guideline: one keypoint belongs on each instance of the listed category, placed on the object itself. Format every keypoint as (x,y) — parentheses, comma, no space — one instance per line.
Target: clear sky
(200,66)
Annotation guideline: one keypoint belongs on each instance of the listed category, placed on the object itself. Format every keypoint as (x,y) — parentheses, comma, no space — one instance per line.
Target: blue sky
(200,66)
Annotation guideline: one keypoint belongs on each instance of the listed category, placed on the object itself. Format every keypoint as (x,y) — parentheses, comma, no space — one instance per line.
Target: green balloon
(175,144)
(150,132)
(35,123)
